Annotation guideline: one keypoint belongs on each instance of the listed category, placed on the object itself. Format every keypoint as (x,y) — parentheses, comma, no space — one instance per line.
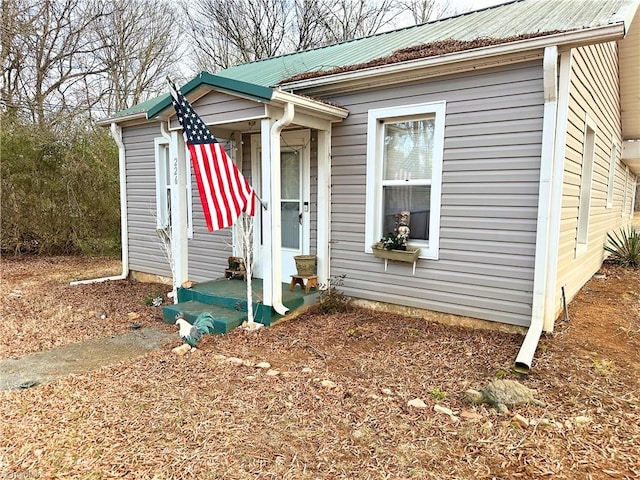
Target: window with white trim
(626,188)
(163,184)
(612,174)
(163,187)
(584,205)
(404,172)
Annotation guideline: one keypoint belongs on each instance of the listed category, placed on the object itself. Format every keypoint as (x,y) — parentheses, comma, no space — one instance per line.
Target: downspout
(116,133)
(164,131)
(555,297)
(550,86)
(275,202)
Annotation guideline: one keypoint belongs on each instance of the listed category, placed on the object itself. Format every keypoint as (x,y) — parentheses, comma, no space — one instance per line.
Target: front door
(292,214)
(294,207)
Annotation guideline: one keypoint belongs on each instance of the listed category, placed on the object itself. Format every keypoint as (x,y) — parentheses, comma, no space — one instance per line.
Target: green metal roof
(503,21)
(256,92)
(140,108)
(511,19)
(156,105)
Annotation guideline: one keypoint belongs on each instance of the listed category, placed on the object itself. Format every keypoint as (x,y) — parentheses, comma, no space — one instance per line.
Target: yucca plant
(624,247)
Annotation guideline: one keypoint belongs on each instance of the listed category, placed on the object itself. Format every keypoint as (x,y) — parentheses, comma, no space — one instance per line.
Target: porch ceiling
(629,58)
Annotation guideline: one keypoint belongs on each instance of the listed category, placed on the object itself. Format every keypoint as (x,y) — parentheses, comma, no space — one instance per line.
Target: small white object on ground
(182,349)
(416,403)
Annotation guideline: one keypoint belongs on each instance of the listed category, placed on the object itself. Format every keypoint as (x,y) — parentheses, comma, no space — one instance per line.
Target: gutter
(275,202)
(317,106)
(124,118)
(116,133)
(550,82)
(370,76)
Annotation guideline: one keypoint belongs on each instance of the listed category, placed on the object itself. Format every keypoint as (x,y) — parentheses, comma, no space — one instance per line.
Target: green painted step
(228,297)
(225,293)
(225,319)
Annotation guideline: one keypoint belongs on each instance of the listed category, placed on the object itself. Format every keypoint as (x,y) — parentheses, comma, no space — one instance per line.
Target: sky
(467,5)
(459,6)
(476,4)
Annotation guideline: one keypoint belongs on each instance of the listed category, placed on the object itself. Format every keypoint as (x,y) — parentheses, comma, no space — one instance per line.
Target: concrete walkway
(44,367)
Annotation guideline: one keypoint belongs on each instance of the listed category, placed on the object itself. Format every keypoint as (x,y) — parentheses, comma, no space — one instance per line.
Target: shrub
(332,299)
(60,190)
(624,247)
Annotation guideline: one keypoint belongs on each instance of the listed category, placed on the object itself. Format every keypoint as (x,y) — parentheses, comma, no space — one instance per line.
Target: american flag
(224,192)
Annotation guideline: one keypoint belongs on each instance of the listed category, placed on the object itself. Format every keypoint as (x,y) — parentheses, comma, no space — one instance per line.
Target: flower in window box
(394,241)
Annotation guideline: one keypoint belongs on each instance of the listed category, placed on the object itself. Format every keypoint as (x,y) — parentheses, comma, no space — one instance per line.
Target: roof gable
(236,87)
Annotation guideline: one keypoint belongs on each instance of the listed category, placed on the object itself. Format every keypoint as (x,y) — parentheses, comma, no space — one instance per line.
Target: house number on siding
(175,171)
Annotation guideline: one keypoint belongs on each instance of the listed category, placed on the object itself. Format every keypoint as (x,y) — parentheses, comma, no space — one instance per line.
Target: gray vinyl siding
(217,107)
(145,251)
(493,132)
(209,251)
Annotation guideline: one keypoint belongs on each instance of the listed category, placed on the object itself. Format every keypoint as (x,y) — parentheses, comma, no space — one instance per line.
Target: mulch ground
(333,401)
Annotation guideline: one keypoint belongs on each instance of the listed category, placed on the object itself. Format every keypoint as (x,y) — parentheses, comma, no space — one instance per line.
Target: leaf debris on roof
(415,52)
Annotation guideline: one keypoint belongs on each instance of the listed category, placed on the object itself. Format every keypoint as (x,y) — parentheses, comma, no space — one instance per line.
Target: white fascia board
(519,51)
(125,118)
(330,112)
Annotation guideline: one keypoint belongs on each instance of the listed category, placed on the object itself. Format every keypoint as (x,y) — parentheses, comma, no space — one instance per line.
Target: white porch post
(274,209)
(178,209)
(323,245)
(267,217)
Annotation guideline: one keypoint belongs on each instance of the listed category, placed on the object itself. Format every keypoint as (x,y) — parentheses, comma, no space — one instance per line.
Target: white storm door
(291,209)
(294,206)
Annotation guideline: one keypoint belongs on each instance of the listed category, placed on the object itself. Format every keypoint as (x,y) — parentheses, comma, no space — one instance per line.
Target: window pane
(290,175)
(415,199)
(408,149)
(167,165)
(290,225)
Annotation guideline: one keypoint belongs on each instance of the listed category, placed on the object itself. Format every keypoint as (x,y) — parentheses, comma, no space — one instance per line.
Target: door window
(291,202)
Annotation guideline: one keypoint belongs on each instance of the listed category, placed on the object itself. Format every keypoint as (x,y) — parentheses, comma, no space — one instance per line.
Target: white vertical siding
(493,131)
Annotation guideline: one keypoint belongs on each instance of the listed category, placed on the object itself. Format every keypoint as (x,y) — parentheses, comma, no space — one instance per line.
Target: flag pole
(174,93)
(264,205)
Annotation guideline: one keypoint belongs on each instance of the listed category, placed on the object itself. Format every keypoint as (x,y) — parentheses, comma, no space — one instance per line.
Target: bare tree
(244,247)
(48,48)
(11,58)
(139,48)
(228,32)
(66,59)
(307,27)
(349,19)
(423,11)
